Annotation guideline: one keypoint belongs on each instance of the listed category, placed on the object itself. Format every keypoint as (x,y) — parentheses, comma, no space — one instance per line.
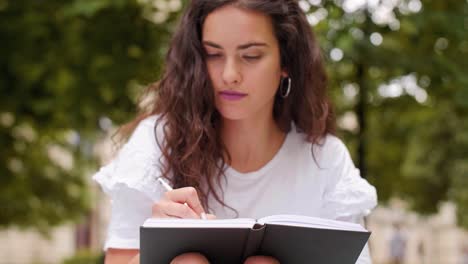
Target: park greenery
(70,70)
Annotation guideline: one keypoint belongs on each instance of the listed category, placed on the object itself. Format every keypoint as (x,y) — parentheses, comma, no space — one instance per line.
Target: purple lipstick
(232,95)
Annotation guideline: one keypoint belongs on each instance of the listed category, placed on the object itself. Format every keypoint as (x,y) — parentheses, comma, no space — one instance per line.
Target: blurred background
(71,72)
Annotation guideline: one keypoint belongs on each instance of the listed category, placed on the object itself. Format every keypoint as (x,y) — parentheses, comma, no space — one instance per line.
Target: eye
(213,55)
(252,58)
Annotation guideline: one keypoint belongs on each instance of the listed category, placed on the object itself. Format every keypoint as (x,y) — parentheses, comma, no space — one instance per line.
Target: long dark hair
(193,152)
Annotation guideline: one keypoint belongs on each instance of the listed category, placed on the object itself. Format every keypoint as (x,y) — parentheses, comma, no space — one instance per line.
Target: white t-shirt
(325,184)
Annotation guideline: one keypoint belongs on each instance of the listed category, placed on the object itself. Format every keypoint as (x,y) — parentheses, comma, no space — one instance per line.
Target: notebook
(292,239)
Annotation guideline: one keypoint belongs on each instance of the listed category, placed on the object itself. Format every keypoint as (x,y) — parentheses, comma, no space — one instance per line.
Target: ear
(284,73)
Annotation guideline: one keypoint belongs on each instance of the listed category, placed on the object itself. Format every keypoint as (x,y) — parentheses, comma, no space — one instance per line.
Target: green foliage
(415,149)
(64,66)
(85,257)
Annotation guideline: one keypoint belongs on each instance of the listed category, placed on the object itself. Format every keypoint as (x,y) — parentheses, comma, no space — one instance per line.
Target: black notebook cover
(288,244)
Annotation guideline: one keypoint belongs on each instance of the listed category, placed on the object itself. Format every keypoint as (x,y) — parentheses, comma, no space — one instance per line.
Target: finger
(166,209)
(158,211)
(180,211)
(210,216)
(186,195)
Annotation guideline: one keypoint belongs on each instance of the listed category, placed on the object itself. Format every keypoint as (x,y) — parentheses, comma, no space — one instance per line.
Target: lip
(232,95)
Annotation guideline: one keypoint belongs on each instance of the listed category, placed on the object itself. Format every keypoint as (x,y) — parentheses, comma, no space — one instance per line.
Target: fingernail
(203,216)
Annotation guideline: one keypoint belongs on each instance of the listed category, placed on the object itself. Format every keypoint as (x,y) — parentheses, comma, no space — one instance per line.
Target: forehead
(232,26)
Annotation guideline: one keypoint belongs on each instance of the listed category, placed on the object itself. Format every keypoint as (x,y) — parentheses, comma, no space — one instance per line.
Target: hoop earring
(283,94)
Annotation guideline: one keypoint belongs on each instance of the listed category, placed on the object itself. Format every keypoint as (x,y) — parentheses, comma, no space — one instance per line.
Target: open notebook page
(288,220)
(199,223)
(307,221)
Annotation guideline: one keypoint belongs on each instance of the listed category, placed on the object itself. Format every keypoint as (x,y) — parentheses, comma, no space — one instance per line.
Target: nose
(231,72)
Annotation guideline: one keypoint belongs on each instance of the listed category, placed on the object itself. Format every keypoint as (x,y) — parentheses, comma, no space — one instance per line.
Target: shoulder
(331,149)
(148,124)
(328,152)
(146,132)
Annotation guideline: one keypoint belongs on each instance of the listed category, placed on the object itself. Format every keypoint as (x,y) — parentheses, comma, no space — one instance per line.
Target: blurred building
(433,239)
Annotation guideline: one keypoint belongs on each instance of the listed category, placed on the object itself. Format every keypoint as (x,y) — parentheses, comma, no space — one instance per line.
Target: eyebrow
(240,47)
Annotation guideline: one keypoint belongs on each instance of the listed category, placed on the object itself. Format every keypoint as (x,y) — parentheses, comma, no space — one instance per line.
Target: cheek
(267,77)
(213,72)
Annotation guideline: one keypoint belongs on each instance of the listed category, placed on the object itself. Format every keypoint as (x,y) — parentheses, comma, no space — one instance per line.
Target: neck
(251,143)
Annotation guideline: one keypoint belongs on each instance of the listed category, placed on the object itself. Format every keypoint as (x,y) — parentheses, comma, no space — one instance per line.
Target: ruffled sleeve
(130,182)
(136,165)
(347,194)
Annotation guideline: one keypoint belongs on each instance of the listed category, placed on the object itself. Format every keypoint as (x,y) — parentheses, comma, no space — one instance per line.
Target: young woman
(241,127)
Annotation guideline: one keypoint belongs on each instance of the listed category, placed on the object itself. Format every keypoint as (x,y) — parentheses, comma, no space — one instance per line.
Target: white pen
(169,188)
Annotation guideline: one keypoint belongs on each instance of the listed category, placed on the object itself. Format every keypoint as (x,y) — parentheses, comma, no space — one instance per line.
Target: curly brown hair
(192,149)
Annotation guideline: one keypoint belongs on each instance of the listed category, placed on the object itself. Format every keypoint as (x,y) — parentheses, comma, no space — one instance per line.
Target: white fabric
(323,184)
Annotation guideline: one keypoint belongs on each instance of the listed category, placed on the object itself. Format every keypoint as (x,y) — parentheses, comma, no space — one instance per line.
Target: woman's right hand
(180,203)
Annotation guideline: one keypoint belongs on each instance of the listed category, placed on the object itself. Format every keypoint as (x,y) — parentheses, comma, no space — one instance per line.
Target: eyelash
(252,57)
(213,56)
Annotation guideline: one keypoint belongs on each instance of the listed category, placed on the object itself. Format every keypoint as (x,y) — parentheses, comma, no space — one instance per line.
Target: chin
(233,115)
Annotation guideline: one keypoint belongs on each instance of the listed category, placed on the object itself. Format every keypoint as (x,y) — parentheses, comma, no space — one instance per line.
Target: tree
(402,68)
(67,69)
